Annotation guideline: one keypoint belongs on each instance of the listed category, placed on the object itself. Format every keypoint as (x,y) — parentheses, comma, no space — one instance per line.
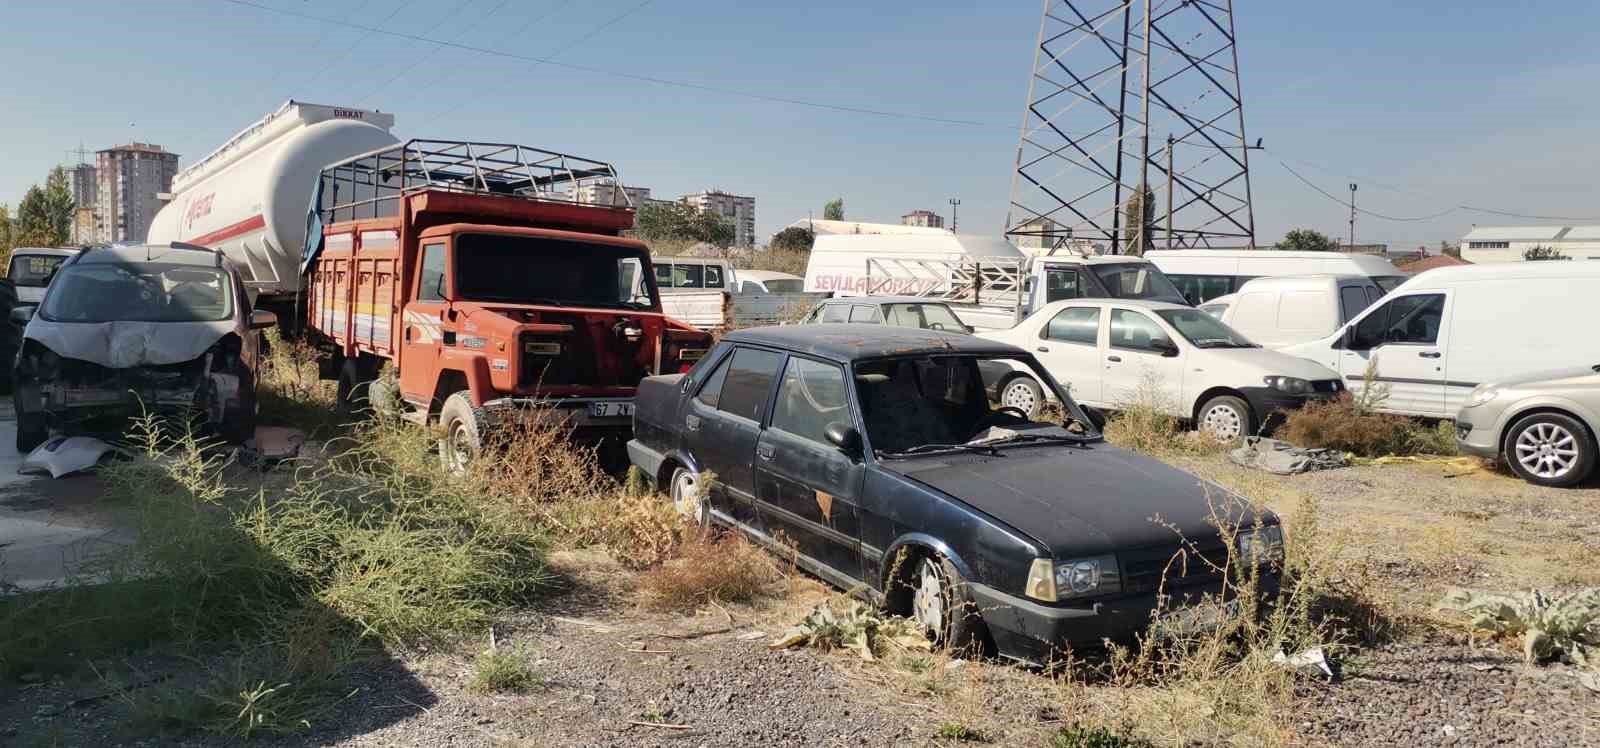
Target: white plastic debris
(64,455)
(1311,659)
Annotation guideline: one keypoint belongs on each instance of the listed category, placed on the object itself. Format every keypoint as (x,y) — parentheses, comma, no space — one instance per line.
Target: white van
(1446,330)
(1290,309)
(768,281)
(677,274)
(31,269)
(1205,274)
(1107,351)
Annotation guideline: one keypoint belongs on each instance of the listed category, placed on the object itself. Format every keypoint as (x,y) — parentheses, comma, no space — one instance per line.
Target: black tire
(1225,417)
(689,497)
(10,333)
(462,440)
(31,428)
(1024,393)
(1550,449)
(942,603)
(350,396)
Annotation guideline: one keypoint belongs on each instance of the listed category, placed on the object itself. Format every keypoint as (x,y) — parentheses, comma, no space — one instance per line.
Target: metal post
(1352,216)
(1169,190)
(1144,142)
(954,203)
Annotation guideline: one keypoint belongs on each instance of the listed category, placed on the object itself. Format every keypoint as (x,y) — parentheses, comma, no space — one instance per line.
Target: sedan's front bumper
(1265,401)
(1035,632)
(1476,432)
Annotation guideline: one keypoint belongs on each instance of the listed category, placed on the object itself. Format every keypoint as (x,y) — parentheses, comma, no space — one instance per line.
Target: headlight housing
(1050,582)
(1482,395)
(1261,545)
(1290,385)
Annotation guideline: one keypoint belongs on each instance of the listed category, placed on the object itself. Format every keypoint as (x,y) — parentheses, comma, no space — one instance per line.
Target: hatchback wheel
(688,497)
(942,605)
(1550,449)
(1225,417)
(1024,394)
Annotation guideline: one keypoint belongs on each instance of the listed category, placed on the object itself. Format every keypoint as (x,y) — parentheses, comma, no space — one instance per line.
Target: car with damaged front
(131,329)
(873,456)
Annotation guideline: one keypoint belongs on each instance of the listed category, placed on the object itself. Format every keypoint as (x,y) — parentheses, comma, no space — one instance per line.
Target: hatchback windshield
(1204,330)
(536,270)
(138,292)
(33,270)
(1137,280)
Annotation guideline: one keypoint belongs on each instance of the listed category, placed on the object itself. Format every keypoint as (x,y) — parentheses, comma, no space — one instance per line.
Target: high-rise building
(130,180)
(608,192)
(923,218)
(81,182)
(739,210)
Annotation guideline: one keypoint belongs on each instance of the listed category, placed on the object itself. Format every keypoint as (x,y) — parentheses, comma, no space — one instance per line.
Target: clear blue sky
(1425,104)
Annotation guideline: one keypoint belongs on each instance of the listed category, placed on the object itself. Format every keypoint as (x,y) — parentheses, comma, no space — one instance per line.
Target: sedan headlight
(1482,395)
(1262,545)
(1050,582)
(1290,385)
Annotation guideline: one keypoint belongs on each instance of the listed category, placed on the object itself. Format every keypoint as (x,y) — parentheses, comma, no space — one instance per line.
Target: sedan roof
(845,342)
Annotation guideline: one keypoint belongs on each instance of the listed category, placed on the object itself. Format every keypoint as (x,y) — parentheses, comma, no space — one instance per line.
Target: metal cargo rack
(370,185)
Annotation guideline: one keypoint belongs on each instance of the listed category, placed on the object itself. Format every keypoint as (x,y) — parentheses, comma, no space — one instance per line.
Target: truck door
(422,323)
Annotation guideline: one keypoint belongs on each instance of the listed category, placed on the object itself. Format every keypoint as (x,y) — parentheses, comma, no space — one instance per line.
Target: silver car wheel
(686,494)
(1547,450)
(927,601)
(1223,422)
(1019,394)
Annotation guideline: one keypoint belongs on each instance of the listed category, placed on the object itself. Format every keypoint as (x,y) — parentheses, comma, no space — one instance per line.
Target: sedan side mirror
(262,319)
(22,314)
(845,437)
(1165,347)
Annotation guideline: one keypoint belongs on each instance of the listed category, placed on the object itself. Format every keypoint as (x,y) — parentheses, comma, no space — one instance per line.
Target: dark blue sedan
(876,455)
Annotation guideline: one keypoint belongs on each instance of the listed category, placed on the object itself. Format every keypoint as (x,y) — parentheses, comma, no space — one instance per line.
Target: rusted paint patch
(825,503)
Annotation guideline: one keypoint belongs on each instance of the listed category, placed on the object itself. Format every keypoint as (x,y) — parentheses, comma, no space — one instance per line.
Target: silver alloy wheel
(686,494)
(927,600)
(1547,450)
(1019,394)
(1223,421)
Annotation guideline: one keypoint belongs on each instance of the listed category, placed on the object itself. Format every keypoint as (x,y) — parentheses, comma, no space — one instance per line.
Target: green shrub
(1095,736)
(503,670)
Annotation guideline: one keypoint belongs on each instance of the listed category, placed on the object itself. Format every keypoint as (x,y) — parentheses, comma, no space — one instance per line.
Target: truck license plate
(610,409)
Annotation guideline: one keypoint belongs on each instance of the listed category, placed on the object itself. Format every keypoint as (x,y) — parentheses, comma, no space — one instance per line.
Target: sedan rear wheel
(688,497)
(1550,449)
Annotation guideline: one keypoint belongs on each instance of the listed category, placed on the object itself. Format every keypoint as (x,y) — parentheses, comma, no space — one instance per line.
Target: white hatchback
(1113,352)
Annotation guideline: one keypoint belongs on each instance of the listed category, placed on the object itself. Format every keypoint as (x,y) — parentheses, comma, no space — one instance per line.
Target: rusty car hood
(1081,500)
(124,345)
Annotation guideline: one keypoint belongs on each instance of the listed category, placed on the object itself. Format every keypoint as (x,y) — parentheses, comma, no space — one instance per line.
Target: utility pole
(1352,216)
(1169,190)
(954,203)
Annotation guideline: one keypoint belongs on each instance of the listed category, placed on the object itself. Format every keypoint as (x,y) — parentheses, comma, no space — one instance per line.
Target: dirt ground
(606,665)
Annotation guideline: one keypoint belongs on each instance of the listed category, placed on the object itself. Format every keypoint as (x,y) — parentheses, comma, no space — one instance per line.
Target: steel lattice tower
(1110,106)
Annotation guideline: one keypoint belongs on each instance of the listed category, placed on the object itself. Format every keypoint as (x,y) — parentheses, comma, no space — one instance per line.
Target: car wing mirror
(262,319)
(845,437)
(1165,347)
(22,314)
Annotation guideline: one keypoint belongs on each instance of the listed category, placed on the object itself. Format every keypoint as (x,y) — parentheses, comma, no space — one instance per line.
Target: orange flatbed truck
(473,270)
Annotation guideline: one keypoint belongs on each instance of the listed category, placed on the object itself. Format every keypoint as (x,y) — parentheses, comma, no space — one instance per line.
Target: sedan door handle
(1117,359)
(766,451)
(1429,354)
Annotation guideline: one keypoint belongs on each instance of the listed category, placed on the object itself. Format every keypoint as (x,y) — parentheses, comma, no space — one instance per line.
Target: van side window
(712,389)
(1352,299)
(865,314)
(432,287)
(713,276)
(687,276)
(1075,325)
(836,313)
(749,380)
(1199,289)
(664,275)
(1134,331)
(1408,320)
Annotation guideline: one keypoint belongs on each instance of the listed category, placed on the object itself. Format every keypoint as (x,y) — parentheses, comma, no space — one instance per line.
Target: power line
(450,72)
(1522,215)
(407,69)
(1352,206)
(616,73)
(352,49)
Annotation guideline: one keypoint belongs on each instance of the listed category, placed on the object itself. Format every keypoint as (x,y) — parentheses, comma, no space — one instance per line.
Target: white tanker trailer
(250,197)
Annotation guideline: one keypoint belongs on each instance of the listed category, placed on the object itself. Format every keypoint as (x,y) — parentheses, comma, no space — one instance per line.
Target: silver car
(1544,424)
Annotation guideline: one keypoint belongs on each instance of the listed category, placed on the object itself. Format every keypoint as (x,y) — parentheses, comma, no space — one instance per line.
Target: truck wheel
(1225,417)
(31,428)
(1547,449)
(1023,393)
(461,443)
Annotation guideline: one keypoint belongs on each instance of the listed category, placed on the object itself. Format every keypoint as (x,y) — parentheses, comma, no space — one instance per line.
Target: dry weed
(726,569)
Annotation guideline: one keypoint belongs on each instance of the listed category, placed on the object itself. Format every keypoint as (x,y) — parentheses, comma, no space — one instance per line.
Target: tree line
(43,218)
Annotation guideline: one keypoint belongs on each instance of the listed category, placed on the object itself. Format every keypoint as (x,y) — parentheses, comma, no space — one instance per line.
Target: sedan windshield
(138,292)
(1137,280)
(1204,330)
(537,270)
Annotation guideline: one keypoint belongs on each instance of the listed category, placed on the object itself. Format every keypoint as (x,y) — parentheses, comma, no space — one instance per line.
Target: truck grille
(1142,570)
(549,360)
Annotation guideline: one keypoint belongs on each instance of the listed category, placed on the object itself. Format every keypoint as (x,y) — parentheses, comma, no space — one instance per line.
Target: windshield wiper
(1021,438)
(926,448)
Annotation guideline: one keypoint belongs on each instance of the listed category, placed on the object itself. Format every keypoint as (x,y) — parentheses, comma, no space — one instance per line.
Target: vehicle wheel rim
(460,446)
(686,495)
(1019,395)
(927,601)
(1223,422)
(1547,450)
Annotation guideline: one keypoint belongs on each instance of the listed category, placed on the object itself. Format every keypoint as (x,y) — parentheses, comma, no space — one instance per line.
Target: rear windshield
(536,270)
(785,285)
(33,271)
(925,316)
(146,292)
(1137,280)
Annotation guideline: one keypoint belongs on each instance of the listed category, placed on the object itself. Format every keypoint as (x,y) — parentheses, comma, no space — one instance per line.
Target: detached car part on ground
(130,329)
(1543,425)
(873,455)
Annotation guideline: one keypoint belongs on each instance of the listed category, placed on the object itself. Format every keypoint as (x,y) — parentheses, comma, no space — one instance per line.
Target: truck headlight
(1076,578)
(1262,545)
(1482,395)
(1290,385)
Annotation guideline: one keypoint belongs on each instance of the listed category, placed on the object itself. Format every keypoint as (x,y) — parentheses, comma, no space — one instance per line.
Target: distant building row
(739,210)
(118,195)
(1508,243)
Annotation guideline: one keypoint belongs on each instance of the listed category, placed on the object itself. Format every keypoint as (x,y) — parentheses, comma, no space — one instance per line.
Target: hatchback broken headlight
(1049,581)
(1261,545)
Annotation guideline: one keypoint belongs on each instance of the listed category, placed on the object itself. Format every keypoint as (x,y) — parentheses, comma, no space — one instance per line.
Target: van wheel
(1024,394)
(462,442)
(1225,417)
(1550,449)
(688,497)
(942,605)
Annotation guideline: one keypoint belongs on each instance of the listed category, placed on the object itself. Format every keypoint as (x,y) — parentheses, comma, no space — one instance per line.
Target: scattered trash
(1311,659)
(272,444)
(750,636)
(65,455)
(1483,667)
(1454,467)
(1283,458)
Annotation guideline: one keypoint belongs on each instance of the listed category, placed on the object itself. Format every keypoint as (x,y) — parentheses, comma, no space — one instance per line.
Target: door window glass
(432,273)
(688,276)
(1412,320)
(835,313)
(1134,331)
(1075,325)
(1062,283)
(712,389)
(864,314)
(748,382)
(664,276)
(713,276)
(811,396)
(1353,299)
(750,287)
(1199,289)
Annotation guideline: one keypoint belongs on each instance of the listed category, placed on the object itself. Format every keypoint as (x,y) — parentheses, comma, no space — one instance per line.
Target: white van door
(1406,337)
(1138,368)
(1070,347)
